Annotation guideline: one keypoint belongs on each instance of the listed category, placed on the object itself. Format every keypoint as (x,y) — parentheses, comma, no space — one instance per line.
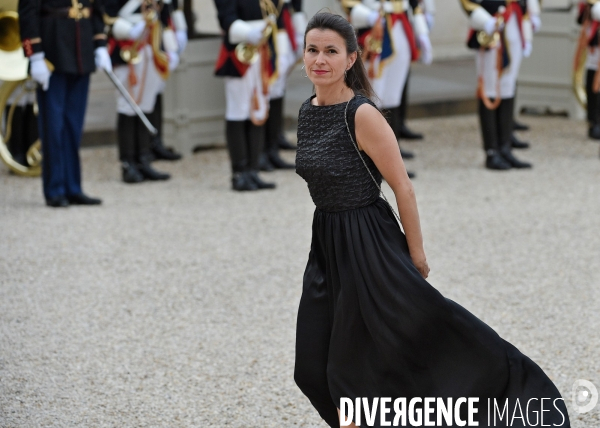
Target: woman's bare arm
(377,139)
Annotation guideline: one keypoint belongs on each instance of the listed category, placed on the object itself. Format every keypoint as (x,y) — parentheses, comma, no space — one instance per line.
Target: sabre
(131,102)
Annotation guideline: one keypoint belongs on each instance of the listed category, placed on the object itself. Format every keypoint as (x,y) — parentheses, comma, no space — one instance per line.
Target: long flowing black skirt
(370,326)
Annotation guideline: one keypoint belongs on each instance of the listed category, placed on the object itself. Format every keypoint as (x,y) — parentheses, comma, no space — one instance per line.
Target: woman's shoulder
(360,99)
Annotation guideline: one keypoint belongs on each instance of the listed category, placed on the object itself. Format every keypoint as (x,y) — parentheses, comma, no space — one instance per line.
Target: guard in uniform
(248,62)
(144,50)
(405,132)
(390,43)
(589,18)
(46,26)
(502,32)
(156,117)
(290,43)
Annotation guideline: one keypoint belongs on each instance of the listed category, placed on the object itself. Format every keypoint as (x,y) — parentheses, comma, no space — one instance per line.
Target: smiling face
(326,57)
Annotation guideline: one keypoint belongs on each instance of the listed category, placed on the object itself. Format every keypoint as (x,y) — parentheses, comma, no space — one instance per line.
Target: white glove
(527,49)
(388,7)
(425,48)
(182,40)
(137,30)
(536,23)
(173,61)
(39,70)
(102,58)
(373,17)
(430,18)
(254,36)
(490,26)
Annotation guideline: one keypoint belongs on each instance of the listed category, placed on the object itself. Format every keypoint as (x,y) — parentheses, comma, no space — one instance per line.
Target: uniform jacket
(491,6)
(66,42)
(230,11)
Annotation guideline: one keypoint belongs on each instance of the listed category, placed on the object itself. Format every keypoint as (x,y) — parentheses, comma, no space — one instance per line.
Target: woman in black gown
(369,324)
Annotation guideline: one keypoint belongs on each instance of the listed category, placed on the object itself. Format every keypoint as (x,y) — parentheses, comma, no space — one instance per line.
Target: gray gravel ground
(174,303)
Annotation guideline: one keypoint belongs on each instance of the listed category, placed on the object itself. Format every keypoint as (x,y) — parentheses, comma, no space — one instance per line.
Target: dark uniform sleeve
(227,13)
(98,23)
(297,5)
(29,23)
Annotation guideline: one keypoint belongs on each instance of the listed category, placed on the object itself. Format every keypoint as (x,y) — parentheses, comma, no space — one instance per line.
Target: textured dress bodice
(327,159)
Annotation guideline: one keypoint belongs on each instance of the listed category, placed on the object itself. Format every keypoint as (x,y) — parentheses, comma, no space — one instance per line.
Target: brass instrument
(247,53)
(15,86)
(488,41)
(150,11)
(579,63)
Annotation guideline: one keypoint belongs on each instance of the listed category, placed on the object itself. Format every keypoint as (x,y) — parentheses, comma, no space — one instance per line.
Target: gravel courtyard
(174,303)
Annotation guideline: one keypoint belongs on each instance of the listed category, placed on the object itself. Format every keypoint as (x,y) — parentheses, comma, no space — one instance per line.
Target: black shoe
(265,164)
(518,126)
(260,184)
(407,134)
(497,162)
(82,199)
(163,153)
(150,173)
(518,144)
(130,173)
(58,202)
(411,175)
(278,162)
(513,161)
(242,182)
(594,132)
(284,144)
(406,154)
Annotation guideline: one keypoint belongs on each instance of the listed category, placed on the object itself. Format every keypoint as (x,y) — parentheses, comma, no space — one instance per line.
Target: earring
(346,74)
(305,75)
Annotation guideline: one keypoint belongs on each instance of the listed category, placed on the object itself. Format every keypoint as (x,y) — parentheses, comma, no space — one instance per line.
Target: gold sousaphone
(14,85)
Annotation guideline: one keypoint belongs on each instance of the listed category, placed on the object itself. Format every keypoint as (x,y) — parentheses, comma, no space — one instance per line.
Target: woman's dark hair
(356,78)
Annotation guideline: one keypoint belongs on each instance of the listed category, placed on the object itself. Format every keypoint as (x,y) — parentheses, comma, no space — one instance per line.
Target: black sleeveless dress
(369,325)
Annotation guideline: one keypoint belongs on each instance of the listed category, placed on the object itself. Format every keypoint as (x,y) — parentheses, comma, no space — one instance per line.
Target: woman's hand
(420,262)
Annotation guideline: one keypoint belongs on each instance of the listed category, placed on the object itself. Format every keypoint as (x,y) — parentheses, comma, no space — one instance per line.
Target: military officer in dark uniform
(252,24)
(69,34)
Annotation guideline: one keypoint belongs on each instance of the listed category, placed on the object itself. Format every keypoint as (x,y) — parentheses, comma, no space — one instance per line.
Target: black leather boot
(504,115)
(273,131)
(264,163)
(238,154)
(284,143)
(519,126)
(404,132)
(518,144)
(144,153)
(126,136)
(593,106)
(158,147)
(255,138)
(392,116)
(489,133)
